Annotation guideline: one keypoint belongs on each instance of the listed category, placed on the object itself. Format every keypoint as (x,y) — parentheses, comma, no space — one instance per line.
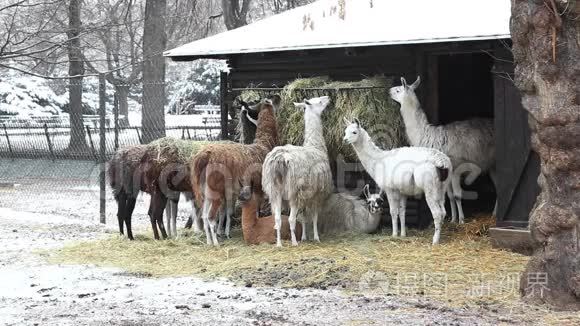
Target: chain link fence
(55,163)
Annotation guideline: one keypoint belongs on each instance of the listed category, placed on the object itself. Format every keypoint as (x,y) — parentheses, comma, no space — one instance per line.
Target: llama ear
(346,121)
(357,122)
(366,191)
(404,82)
(416,83)
(299,105)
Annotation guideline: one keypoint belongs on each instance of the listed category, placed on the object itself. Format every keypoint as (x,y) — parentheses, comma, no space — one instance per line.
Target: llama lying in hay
(126,180)
(340,213)
(345,213)
(467,143)
(257,230)
(300,174)
(403,172)
(219,169)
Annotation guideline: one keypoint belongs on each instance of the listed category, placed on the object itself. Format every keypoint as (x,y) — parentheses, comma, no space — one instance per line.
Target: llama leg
(168,210)
(315,224)
(229,213)
(452,204)
(194,218)
(438,213)
(121,210)
(220,224)
(158,213)
(175,205)
(393,200)
(292,222)
(303,222)
(276,204)
(402,209)
(212,228)
(129,213)
(457,194)
(205,217)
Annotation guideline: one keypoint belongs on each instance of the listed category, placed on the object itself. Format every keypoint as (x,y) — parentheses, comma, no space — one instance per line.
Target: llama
(247,123)
(470,141)
(340,213)
(403,172)
(345,213)
(257,230)
(218,170)
(126,182)
(374,201)
(300,174)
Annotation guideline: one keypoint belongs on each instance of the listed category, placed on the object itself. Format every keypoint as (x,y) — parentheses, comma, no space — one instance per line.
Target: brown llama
(218,170)
(257,230)
(126,180)
(166,175)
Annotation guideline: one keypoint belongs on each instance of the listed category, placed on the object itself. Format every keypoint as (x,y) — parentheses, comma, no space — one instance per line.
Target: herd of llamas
(215,176)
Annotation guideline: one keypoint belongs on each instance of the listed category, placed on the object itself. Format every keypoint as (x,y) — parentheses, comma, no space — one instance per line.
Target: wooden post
(8,140)
(102,148)
(48,141)
(223,104)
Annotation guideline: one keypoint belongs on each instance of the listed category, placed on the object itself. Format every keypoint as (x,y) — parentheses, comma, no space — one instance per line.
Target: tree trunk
(546,50)
(123,97)
(154,40)
(234,15)
(77,141)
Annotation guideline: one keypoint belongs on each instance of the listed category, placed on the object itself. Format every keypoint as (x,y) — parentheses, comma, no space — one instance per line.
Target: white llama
(403,172)
(300,174)
(469,141)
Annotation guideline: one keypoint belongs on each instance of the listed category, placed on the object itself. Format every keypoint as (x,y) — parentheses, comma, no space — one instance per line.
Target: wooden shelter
(460,48)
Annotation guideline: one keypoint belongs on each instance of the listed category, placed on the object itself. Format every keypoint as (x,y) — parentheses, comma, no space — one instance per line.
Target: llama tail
(443,173)
(279,167)
(198,166)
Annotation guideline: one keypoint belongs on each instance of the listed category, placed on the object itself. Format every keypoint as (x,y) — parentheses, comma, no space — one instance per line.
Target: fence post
(8,140)
(102,148)
(223,104)
(139,135)
(48,141)
(91,141)
(116,118)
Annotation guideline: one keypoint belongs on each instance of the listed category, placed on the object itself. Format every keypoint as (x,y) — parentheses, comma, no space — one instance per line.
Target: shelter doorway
(464,88)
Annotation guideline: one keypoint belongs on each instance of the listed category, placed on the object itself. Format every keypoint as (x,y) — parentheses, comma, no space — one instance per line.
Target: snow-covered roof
(324,24)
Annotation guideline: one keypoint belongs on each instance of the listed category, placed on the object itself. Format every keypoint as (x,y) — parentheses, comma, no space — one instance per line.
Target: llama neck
(367,152)
(267,130)
(249,216)
(415,120)
(313,135)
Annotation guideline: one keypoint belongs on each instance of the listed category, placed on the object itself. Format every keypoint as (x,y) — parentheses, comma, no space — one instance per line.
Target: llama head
(249,113)
(399,93)
(352,131)
(315,105)
(374,201)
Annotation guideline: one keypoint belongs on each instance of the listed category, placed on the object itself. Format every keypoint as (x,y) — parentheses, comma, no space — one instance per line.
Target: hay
(368,100)
(454,271)
(174,150)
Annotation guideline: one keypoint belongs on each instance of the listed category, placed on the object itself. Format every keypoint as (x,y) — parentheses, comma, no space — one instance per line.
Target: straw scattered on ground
(462,270)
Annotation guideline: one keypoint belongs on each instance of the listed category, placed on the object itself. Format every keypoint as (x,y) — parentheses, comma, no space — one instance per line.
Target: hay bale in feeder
(367,99)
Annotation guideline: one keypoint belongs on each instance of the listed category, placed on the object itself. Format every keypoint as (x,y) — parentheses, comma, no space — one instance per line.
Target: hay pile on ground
(458,271)
(368,100)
